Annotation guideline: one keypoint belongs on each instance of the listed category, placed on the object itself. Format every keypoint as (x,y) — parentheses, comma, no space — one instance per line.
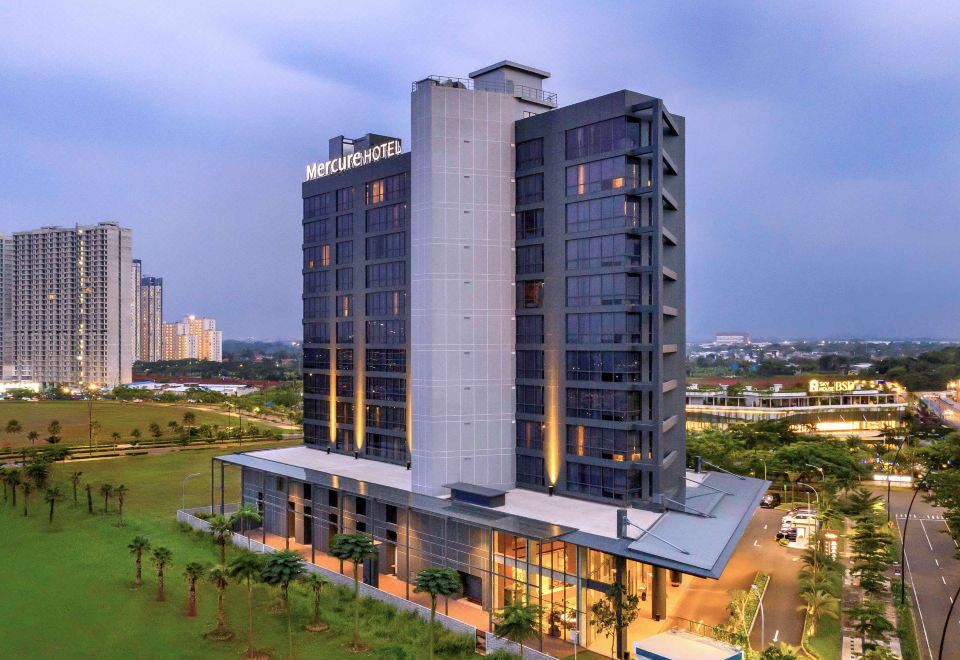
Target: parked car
(806,517)
(789,533)
(770,501)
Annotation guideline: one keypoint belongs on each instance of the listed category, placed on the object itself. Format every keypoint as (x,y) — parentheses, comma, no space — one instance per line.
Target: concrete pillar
(659,596)
(621,573)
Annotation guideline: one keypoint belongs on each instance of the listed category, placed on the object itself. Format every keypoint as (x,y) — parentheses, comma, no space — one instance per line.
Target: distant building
(192,338)
(136,273)
(150,323)
(72,313)
(732,338)
(6,307)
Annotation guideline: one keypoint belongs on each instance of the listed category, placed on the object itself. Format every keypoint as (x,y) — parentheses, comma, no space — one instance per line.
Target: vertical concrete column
(659,596)
(621,573)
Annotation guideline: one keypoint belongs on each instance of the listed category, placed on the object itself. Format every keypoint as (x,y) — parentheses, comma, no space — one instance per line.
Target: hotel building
(493,363)
(72,312)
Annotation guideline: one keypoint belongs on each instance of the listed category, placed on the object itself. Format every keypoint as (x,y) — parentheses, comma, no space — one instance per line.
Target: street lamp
(183,487)
(814,492)
(823,477)
(763,634)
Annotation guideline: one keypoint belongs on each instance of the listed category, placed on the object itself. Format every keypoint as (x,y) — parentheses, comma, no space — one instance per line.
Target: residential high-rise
(136,275)
(192,338)
(72,305)
(150,326)
(7,266)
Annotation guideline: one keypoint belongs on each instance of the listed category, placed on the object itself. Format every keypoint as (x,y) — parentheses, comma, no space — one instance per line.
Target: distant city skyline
(821,188)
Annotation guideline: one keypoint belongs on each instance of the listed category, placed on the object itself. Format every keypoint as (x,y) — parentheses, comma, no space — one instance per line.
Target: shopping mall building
(494,360)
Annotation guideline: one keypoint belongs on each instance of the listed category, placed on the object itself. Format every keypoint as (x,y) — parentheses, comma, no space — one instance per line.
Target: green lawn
(826,644)
(66,588)
(113,416)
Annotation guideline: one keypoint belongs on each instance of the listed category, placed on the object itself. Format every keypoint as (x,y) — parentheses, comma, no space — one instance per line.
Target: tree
(155,430)
(38,471)
(517,621)
(819,604)
(115,437)
(32,437)
(222,529)
(280,569)
(859,502)
(26,496)
(54,429)
(4,478)
(315,583)
(13,478)
(107,491)
(51,497)
(356,549)
(437,582)
(246,512)
(193,571)
(161,557)
(738,613)
(135,434)
(75,480)
(137,547)
(89,488)
(220,579)
(780,651)
(870,620)
(616,610)
(121,492)
(247,566)
(189,418)
(14,427)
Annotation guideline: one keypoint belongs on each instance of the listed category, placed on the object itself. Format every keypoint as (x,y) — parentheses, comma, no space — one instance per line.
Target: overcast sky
(823,142)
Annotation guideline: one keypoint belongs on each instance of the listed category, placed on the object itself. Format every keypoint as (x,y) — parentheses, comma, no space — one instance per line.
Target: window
(605,366)
(345,199)
(386,389)
(386,360)
(387,246)
(609,213)
(530,294)
(530,259)
(610,444)
(345,386)
(391,514)
(530,399)
(317,332)
(602,137)
(316,257)
(318,409)
(391,333)
(344,306)
(530,364)
(321,204)
(345,252)
(610,289)
(529,434)
(315,384)
(345,225)
(344,359)
(530,189)
(389,448)
(387,303)
(607,174)
(530,224)
(600,481)
(530,154)
(344,279)
(345,332)
(316,308)
(529,329)
(387,417)
(318,230)
(316,358)
(607,252)
(388,274)
(609,405)
(316,282)
(388,189)
(385,218)
(603,328)
(314,434)
(345,414)
(530,470)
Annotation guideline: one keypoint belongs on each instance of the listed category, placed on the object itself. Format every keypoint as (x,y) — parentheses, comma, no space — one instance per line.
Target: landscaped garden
(68,588)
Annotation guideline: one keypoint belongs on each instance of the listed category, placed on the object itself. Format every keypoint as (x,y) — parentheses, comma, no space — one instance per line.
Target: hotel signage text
(836,386)
(371,155)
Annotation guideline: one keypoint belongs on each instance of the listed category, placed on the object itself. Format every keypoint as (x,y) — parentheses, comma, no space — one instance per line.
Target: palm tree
(26,495)
(437,582)
(220,578)
(281,568)
(54,430)
(135,434)
(315,582)
(356,549)
(222,529)
(38,471)
(32,437)
(89,488)
(517,622)
(13,478)
(4,478)
(161,557)
(155,430)
(244,513)
(137,547)
(51,497)
(120,492)
(14,427)
(247,566)
(193,571)
(819,603)
(115,437)
(107,491)
(75,480)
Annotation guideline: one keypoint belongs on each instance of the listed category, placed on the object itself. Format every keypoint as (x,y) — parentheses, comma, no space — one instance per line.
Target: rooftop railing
(504,87)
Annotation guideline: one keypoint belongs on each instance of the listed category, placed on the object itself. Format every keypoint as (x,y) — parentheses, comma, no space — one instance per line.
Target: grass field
(113,416)
(66,588)
(826,644)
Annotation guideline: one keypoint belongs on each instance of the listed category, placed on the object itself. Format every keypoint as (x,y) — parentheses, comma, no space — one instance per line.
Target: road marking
(765,526)
(755,543)
(776,636)
(945,581)
(916,599)
(938,562)
(927,535)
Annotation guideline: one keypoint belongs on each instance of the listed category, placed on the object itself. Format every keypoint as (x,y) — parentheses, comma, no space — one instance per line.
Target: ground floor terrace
(501,556)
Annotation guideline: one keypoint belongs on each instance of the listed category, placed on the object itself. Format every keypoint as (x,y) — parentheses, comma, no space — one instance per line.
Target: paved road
(706,600)
(932,573)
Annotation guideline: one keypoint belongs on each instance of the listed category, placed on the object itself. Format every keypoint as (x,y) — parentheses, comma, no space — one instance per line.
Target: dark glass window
(387,417)
(315,384)
(530,224)
(530,364)
(388,274)
(345,386)
(318,230)
(345,332)
(605,252)
(529,259)
(609,289)
(318,409)
(387,246)
(607,174)
(603,328)
(388,189)
(530,294)
(530,189)
(389,448)
(344,359)
(530,329)
(530,470)
(529,434)
(316,308)
(386,360)
(316,282)
(345,414)
(605,366)
(610,444)
(314,434)
(344,306)
(602,137)
(321,204)
(530,154)
(345,252)
(344,279)
(530,399)
(317,332)
(386,389)
(387,303)
(391,333)
(316,257)
(345,199)
(600,481)
(608,213)
(316,358)
(609,405)
(345,225)
(385,218)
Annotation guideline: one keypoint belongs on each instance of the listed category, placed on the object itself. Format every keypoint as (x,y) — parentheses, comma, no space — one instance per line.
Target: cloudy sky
(823,142)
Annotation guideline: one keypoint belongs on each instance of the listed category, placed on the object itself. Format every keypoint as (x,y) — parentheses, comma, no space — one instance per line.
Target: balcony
(522,92)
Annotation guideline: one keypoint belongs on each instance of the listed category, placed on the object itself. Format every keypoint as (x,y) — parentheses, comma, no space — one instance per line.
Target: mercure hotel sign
(356,159)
